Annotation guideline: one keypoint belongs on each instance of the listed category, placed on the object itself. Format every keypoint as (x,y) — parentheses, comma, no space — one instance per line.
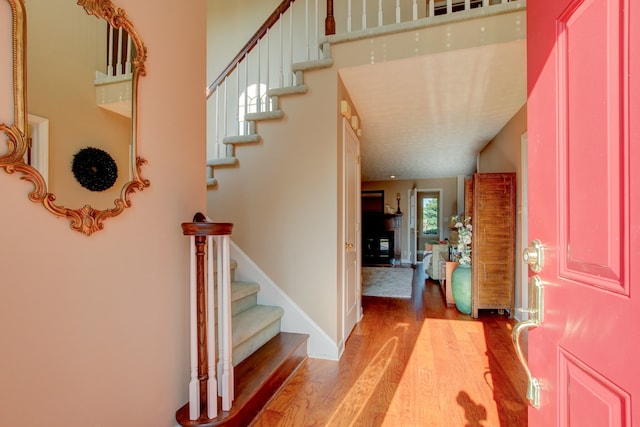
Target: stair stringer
(274,94)
(320,345)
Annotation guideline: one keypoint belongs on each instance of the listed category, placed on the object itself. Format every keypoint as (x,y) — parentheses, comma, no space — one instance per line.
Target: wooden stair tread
(257,379)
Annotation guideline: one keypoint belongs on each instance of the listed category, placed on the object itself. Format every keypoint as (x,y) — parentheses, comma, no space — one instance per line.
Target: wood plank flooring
(410,362)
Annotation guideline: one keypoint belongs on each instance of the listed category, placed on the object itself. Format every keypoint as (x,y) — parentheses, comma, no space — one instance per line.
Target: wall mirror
(72,129)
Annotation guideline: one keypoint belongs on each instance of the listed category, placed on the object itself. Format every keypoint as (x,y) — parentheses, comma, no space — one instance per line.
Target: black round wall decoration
(94,169)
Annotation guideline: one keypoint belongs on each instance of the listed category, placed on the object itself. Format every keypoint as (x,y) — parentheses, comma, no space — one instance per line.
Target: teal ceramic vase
(461,287)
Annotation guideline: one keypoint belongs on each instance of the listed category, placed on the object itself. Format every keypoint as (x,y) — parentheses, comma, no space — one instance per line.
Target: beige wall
(63,57)
(94,330)
(230,24)
(283,199)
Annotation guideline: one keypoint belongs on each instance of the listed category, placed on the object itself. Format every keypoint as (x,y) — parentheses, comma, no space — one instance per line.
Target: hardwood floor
(410,362)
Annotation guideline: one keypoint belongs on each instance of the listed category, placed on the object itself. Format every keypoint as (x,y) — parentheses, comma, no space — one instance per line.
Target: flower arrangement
(464,239)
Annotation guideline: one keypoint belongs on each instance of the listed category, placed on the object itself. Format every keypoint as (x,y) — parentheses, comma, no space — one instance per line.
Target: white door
(351,295)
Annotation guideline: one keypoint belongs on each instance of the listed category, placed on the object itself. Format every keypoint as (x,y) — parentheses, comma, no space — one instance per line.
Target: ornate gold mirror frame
(85,219)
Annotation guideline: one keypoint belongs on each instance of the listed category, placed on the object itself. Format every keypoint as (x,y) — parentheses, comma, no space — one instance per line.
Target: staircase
(273,95)
(239,357)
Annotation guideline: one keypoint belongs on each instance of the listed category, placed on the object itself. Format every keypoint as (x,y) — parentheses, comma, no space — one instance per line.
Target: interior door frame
(522,233)
(441,221)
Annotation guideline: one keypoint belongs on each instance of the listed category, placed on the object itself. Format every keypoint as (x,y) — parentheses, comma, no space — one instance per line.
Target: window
(250,97)
(430,218)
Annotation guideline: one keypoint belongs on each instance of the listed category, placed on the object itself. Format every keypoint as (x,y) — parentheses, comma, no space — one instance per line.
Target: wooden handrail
(201,227)
(253,42)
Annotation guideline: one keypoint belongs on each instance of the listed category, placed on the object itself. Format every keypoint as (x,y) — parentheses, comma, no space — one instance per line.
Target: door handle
(536,316)
(348,245)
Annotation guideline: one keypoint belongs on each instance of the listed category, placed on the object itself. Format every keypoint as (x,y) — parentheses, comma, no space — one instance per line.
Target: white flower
(464,240)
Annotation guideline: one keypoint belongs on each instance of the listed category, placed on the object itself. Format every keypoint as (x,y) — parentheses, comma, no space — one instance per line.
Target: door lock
(534,256)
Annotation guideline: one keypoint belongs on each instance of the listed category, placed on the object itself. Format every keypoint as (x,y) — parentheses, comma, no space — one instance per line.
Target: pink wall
(93,330)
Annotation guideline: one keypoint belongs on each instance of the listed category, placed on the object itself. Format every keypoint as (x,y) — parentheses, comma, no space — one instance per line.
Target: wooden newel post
(329,22)
(201,303)
(203,386)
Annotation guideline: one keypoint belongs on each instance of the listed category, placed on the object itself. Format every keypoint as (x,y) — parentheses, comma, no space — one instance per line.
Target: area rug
(391,282)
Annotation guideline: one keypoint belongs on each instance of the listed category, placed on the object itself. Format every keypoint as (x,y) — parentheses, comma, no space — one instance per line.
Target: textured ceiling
(429,116)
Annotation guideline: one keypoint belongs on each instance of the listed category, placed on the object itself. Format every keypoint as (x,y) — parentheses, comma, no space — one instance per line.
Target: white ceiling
(429,116)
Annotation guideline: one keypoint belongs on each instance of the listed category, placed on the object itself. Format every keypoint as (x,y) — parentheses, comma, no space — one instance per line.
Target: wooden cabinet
(494,241)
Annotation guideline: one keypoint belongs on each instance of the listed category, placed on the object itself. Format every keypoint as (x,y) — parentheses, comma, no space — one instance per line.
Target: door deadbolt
(534,256)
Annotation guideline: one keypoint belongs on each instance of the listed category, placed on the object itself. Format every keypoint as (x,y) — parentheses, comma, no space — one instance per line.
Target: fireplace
(379,248)
(378,239)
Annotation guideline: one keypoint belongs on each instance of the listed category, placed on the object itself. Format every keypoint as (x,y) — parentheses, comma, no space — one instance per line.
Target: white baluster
(110,53)
(380,20)
(485,3)
(397,11)
(225,103)
(290,62)
(467,4)
(317,32)
(119,58)
(258,103)
(128,55)
(245,129)
(221,325)
(281,81)
(432,8)
(364,14)
(349,16)
(449,7)
(212,383)
(217,123)
(194,384)
(306,29)
(236,101)
(225,308)
(415,10)
(267,106)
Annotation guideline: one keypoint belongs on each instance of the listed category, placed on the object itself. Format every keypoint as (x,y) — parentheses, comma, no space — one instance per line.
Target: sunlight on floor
(347,413)
(439,349)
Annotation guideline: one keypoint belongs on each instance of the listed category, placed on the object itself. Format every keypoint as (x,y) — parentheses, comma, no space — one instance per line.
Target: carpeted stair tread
(241,289)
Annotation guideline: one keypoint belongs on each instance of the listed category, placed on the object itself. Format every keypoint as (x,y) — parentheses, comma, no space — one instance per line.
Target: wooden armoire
(492,199)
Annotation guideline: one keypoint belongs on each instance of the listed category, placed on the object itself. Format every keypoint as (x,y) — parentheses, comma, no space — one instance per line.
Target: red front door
(584,207)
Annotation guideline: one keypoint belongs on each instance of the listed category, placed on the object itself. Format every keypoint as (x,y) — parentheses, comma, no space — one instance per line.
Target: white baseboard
(320,345)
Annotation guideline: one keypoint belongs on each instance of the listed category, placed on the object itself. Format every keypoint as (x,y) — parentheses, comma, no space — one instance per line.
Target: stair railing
(209,238)
(289,35)
(119,56)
